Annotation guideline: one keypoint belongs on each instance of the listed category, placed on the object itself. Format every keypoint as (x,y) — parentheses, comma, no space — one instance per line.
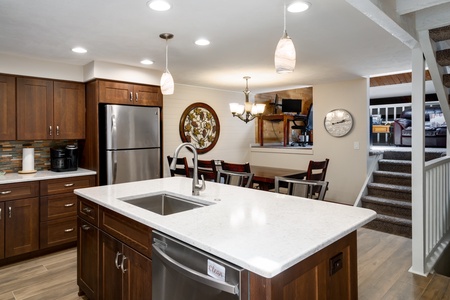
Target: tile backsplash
(11,153)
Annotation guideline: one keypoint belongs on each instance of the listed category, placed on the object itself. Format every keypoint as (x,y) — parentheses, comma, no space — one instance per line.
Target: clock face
(338,122)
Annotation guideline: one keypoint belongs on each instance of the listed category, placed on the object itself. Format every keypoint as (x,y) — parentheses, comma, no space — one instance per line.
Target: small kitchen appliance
(64,159)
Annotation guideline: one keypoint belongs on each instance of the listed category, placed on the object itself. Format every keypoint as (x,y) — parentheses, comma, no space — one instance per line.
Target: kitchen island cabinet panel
(2,230)
(123,271)
(7,108)
(88,259)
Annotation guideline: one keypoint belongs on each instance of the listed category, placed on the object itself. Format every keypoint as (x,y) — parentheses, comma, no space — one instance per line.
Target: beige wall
(348,167)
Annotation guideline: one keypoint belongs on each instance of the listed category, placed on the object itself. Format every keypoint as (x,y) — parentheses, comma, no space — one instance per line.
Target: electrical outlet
(336,263)
(356,145)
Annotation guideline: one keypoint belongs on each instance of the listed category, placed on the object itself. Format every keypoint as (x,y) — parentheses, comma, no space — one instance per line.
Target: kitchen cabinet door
(115,92)
(7,107)
(69,110)
(88,259)
(111,256)
(21,226)
(2,230)
(137,279)
(34,109)
(147,95)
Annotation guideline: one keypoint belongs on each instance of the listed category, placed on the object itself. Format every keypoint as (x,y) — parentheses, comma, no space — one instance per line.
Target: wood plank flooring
(383,263)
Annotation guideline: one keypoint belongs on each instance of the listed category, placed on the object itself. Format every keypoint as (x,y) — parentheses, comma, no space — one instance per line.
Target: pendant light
(285,56)
(167,84)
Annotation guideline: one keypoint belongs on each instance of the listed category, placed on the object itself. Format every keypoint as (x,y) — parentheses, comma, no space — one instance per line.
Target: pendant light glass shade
(166,83)
(285,56)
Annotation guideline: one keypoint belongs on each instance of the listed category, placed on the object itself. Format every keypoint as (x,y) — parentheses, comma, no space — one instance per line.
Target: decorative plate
(199,125)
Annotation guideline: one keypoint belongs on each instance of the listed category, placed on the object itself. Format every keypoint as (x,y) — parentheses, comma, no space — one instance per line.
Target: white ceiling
(334,40)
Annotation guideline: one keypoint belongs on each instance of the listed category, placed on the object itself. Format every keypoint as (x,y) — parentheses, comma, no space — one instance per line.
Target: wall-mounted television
(291,106)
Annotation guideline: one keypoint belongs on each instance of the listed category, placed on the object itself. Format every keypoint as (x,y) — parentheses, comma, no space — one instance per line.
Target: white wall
(348,167)
(235,136)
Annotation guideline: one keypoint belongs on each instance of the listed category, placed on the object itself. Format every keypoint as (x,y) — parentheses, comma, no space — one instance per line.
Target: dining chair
(182,167)
(243,179)
(245,167)
(208,169)
(317,170)
(301,187)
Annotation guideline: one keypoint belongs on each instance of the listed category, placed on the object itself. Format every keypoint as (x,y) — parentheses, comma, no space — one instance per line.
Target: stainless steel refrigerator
(132,143)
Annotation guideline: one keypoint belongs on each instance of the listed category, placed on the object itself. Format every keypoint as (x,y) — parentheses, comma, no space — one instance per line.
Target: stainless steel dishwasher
(182,272)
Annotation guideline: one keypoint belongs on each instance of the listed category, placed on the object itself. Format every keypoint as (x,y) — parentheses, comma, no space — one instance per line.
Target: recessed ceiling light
(202,42)
(147,62)
(298,6)
(79,50)
(159,5)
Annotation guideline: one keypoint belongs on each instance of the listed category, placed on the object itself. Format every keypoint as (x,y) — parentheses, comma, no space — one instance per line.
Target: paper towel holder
(28,158)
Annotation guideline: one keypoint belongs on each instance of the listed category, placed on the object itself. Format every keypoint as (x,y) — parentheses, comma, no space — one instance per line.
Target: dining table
(264,177)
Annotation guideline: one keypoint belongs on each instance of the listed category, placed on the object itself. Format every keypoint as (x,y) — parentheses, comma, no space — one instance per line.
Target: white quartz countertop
(42,175)
(263,232)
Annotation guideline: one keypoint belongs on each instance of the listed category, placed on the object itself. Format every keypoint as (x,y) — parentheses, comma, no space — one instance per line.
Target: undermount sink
(163,204)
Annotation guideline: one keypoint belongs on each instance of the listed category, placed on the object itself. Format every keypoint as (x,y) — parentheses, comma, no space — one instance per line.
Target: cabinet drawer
(88,211)
(58,206)
(57,232)
(128,231)
(65,185)
(19,190)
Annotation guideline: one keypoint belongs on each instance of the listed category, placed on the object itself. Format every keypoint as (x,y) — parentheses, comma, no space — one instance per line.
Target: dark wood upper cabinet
(131,94)
(7,107)
(49,109)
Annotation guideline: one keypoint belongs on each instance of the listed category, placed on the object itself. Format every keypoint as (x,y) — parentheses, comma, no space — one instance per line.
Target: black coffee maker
(64,159)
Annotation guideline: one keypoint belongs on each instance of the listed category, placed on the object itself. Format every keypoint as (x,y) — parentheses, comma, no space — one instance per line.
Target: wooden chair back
(208,169)
(182,167)
(243,179)
(317,170)
(301,187)
(245,167)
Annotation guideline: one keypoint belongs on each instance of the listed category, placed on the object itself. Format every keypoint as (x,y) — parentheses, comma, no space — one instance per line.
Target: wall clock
(199,125)
(338,122)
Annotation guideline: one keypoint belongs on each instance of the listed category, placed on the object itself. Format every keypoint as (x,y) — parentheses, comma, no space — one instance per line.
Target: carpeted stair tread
(440,34)
(443,57)
(390,191)
(393,165)
(393,225)
(387,202)
(390,187)
(389,177)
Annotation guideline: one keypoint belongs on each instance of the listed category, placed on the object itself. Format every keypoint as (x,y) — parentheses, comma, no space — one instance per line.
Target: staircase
(390,193)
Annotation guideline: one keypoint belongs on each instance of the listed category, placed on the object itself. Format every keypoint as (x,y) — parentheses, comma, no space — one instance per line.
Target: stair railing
(436,215)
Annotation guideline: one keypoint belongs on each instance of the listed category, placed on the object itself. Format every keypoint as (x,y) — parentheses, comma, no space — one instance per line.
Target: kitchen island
(289,245)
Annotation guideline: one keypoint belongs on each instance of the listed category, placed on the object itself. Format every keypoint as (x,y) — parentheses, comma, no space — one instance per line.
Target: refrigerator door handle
(114,167)
(113,130)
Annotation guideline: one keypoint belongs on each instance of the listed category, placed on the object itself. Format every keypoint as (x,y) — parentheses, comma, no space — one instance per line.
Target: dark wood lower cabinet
(2,230)
(88,259)
(21,226)
(125,274)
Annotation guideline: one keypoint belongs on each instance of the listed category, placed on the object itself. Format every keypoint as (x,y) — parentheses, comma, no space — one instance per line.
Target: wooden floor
(383,263)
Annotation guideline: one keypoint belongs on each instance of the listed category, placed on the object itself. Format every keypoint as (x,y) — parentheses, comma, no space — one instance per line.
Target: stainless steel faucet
(196,186)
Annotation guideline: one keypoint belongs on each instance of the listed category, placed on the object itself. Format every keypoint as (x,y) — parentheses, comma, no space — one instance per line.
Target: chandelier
(248,111)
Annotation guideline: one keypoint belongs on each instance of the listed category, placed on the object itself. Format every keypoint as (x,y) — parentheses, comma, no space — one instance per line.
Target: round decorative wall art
(199,125)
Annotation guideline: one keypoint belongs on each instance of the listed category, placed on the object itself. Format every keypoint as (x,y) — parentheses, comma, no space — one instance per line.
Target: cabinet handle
(137,97)
(131,96)
(50,131)
(87,210)
(122,263)
(68,205)
(116,261)
(68,185)
(85,227)
(9,212)
(5,192)
(68,230)
(57,130)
